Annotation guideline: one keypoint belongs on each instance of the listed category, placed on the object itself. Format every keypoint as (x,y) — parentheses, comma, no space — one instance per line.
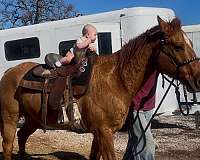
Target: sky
(187,10)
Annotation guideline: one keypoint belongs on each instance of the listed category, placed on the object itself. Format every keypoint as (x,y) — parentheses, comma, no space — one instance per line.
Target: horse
(115,79)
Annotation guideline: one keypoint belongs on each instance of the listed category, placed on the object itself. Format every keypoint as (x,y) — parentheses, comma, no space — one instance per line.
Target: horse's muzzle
(193,85)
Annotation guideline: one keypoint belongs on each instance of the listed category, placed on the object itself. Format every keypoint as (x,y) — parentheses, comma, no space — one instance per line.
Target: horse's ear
(164,26)
(175,24)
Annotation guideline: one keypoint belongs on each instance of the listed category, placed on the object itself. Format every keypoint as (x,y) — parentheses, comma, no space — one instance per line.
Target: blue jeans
(149,150)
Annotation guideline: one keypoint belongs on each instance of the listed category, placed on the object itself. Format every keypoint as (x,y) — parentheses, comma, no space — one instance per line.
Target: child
(82,44)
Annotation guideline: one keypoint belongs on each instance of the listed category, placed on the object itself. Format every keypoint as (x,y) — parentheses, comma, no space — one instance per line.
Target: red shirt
(144,91)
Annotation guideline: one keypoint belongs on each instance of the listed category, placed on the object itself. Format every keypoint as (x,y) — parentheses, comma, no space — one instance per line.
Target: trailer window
(104,43)
(65,46)
(22,49)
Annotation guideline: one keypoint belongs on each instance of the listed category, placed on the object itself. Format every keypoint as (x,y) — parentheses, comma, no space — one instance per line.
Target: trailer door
(108,38)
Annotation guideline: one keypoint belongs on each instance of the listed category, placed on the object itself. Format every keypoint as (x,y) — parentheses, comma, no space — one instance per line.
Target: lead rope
(143,133)
(186,100)
(178,97)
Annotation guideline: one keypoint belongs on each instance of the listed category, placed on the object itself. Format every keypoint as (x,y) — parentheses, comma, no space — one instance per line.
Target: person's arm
(83,44)
(92,47)
(67,58)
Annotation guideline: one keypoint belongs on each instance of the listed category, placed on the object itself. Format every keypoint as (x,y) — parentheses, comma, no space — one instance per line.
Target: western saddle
(57,85)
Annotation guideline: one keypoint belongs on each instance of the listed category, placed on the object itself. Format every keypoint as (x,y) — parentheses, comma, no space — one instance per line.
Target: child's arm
(93,49)
(67,58)
(83,44)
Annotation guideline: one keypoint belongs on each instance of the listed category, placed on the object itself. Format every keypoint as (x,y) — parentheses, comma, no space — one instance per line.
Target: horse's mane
(137,44)
(135,47)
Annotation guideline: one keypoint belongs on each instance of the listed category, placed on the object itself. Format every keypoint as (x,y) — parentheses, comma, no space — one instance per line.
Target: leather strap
(44,104)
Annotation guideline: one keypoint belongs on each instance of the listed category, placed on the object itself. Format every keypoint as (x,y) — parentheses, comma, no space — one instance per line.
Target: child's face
(92,33)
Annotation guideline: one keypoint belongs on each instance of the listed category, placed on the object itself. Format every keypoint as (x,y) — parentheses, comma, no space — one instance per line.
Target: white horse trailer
(32,43)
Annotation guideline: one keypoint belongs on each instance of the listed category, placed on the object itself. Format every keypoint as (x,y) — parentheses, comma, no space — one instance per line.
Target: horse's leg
(95,154)
(8,130)
(27,129)
(106,144)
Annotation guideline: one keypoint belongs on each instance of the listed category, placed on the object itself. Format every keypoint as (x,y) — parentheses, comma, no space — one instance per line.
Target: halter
(178,65)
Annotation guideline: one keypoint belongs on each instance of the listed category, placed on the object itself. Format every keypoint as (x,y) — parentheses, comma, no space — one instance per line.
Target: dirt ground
(176,137)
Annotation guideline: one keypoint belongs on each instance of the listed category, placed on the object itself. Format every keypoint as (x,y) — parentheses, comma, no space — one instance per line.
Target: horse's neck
(133,72)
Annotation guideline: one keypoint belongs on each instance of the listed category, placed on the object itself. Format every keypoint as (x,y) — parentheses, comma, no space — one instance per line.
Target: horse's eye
(178,48)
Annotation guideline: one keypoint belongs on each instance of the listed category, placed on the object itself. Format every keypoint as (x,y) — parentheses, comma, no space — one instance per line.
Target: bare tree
(15,13)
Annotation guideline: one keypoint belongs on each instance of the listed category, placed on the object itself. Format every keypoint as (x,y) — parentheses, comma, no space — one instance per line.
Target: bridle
(163,42)
(178,66)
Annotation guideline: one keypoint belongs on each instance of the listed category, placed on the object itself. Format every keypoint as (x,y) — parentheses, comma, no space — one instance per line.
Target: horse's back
(16,73)
(11,79)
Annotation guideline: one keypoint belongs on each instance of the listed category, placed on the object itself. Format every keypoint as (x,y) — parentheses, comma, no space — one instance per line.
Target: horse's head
(177,57)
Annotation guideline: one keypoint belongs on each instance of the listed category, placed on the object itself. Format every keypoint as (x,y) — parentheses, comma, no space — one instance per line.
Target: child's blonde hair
(85,29)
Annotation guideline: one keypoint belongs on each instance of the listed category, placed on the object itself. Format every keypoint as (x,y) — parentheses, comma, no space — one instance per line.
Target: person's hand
(69,56)
(89,40)
(92,49)
(67,59)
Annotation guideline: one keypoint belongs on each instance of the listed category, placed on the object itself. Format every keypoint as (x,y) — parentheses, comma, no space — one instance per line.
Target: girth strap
(44,104)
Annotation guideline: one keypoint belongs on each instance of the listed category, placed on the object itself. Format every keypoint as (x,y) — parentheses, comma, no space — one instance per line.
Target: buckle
(84,62)
(82,69)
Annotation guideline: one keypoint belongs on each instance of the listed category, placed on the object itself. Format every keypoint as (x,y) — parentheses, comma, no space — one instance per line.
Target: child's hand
(92,49)
(67,59)
(69,56)
(89,40)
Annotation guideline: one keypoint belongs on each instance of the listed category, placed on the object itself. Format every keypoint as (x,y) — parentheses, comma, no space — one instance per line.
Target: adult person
(143,105)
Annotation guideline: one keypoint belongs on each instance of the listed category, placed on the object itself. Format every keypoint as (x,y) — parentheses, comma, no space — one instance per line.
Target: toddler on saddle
(84,43)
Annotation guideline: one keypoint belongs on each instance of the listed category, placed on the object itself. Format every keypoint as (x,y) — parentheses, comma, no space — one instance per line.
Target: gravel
(176,137)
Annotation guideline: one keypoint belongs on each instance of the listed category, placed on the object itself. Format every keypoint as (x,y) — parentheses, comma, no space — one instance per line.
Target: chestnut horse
(115,80)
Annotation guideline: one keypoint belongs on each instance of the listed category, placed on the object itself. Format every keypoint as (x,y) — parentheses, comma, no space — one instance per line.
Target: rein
(149,123)
(177,92)
(178,66)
